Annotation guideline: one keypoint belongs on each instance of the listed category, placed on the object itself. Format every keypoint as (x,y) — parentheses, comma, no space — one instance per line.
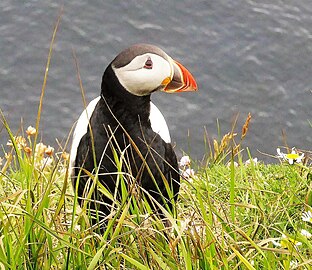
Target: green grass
(228,217)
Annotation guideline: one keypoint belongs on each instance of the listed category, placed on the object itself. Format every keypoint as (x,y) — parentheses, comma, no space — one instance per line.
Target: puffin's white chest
(157,120)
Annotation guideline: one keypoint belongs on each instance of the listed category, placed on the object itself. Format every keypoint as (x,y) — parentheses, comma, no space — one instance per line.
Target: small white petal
(277,244)
(306,233)
(185,161)
(293,264)
(235,164)
(307,216)
(188,173)
(254,160)
(300,158)
(280,154)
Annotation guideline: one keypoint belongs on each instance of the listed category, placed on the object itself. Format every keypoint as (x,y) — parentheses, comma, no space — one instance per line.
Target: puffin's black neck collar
(116,96)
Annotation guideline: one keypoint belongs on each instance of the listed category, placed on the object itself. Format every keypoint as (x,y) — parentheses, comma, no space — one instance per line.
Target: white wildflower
(44,163)
(19,141)
(254,161)
(292,157)
(307,216)
(293,264)
(49,150)
(185,161)
(229,164)
(31,131)
(184,224)
(275,243)
(306,233)
(286,242)
(40,149)
(188,173)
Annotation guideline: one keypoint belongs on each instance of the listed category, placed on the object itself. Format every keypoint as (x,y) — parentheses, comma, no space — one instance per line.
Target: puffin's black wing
(172,170)
(163,169)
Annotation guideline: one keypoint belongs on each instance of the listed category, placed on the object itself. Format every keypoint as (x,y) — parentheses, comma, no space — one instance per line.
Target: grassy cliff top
(229,215)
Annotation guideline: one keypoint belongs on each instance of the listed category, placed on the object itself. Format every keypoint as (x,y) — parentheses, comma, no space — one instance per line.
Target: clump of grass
(228,146)
(267,203)
(228,217)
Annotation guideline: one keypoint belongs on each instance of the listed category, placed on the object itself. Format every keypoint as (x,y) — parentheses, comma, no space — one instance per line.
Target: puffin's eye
(148,64)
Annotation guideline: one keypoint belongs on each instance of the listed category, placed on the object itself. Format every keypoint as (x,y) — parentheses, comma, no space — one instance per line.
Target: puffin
(121,139)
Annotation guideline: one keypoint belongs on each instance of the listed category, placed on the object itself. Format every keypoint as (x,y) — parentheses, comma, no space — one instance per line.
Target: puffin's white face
(145,73)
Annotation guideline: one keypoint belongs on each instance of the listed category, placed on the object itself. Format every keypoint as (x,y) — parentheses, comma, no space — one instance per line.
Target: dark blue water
(247,56)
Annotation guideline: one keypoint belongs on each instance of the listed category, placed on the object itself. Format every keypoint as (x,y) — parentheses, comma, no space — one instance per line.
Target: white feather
(81,129)
(159,124)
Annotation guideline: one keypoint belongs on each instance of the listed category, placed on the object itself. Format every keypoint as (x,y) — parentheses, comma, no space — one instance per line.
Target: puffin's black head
(143,69)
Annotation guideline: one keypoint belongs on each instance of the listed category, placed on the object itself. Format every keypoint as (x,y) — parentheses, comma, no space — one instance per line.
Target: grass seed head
(246,126)
(28,150)
(65,156)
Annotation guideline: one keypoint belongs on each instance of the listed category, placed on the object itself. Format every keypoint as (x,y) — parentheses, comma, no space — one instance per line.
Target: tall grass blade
(45,78)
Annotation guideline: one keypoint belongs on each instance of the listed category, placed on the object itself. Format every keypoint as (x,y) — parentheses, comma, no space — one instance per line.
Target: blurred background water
(247,56)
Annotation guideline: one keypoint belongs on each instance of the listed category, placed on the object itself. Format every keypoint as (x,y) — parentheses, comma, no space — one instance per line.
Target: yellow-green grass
(232,216)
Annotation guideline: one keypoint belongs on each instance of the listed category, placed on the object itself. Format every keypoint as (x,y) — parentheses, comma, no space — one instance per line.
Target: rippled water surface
(247,56)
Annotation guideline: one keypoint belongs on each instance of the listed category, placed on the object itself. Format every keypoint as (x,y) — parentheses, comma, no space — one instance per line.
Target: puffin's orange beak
(181,81)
